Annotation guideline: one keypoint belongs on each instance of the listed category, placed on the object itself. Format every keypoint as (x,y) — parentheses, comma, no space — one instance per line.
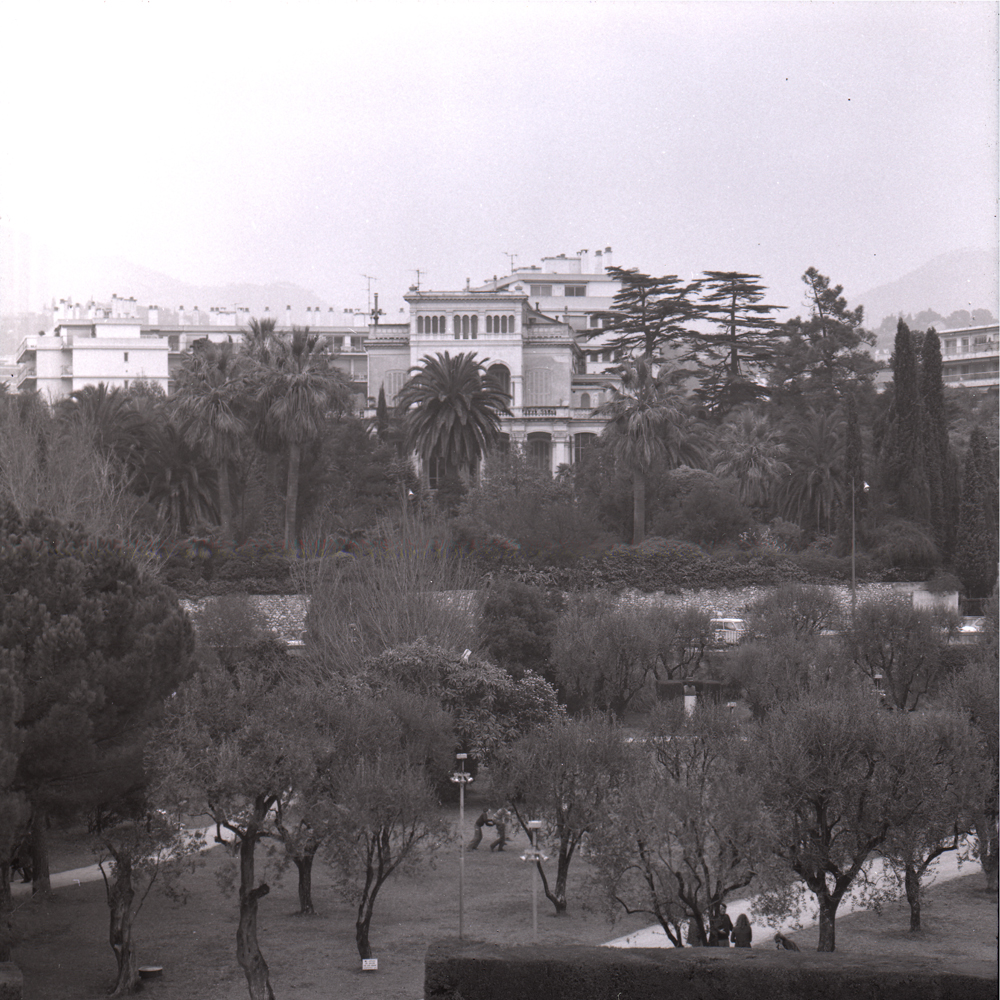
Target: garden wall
(468,971)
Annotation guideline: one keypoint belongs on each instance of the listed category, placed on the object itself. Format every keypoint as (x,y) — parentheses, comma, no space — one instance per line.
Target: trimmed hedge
(456,970)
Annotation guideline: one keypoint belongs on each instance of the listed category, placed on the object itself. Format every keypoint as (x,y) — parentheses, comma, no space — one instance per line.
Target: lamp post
(461,779)
(534,855)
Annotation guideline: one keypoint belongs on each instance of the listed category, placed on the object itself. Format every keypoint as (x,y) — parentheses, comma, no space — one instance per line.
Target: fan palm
(452,408)
(814,485)
(178,480)
(649,423)
(749,450)
(109,414)
(209,402)
(297,386)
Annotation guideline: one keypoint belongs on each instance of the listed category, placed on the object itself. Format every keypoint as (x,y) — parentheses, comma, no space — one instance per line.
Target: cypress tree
(975,556)
(935,438)
(903,472)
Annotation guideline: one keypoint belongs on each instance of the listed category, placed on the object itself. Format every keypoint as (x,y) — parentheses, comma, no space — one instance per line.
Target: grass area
(65,952)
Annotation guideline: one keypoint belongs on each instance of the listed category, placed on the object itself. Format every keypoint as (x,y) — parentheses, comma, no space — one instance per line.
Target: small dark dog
(780,941)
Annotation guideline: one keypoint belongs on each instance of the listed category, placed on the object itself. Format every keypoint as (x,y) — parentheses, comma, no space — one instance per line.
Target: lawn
(65,953)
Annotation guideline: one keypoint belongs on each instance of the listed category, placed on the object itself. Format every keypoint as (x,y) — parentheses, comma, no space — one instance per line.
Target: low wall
(11,982)
(457,970)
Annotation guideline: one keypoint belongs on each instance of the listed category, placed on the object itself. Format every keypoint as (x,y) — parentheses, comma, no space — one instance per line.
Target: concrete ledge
(457,970)
(11,982)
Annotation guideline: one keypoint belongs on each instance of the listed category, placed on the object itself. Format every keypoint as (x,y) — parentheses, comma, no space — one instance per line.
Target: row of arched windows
(464,327)
(499,324)
(432,324)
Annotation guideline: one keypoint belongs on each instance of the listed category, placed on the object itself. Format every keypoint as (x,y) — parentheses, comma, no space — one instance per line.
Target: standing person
(482,820)
(722,926)
(500,820)
(742,932)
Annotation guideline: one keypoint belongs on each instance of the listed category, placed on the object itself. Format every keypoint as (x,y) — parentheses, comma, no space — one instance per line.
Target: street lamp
(461,778)
(533,854)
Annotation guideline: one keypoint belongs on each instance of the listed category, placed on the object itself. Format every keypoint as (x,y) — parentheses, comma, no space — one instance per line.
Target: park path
(92,873)
(947,868)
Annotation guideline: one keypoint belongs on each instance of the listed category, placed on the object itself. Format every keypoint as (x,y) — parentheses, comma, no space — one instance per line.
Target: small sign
(369,965)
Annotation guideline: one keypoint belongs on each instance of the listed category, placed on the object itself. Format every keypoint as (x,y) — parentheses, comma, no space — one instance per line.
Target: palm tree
(178,480)
(814,485)
(649,423)
(209,402)
(110,416)
(452,408)
(297,387)
(749,450)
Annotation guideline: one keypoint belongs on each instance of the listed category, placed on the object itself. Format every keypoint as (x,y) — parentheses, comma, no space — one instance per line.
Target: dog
(780,941)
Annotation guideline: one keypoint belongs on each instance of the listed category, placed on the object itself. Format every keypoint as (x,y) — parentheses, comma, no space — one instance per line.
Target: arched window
(581,442)
(475,326)
(420,324)
(503,324)
(465,328)
(540,451)
(585,401)
(489,324)
(434,324)
(458,327)
(502,374)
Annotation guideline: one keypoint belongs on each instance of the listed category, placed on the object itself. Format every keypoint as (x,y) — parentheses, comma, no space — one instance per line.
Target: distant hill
(960,280)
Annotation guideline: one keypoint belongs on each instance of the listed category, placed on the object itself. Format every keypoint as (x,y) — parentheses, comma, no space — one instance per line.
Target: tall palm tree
(749,449)
(209,402)
(296,388)
(814,485)
(649,422)
(452,408)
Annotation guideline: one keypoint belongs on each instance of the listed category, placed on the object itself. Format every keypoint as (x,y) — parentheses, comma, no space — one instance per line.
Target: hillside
(963,279)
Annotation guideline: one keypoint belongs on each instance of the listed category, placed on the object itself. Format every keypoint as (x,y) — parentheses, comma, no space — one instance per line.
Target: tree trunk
(247,949)
(638,507)
(6,911)
(225,502)
(989,850)
(827,923)
(911,880)
(557,898)
(120,897)
(304,864)
(40,881)
(292,495)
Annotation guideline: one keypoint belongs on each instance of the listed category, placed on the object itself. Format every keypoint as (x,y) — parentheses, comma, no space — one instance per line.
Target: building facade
(535,357)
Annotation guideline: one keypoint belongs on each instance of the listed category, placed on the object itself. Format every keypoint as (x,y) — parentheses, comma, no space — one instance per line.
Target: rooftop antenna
(418,272)
(370,278)
(511,258)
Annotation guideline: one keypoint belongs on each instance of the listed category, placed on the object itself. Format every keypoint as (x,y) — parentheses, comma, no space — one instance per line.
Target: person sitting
(780,941)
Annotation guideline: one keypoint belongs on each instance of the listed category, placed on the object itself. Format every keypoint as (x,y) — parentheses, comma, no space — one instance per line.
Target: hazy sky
(314,143)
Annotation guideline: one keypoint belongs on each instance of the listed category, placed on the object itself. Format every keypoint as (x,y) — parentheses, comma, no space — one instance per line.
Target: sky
(316,143)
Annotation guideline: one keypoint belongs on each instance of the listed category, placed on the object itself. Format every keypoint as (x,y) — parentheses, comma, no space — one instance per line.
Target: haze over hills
(962,279)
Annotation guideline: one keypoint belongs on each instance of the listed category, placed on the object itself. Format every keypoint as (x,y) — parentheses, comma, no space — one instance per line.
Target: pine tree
(735,358)
(824,355)
(649,314)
